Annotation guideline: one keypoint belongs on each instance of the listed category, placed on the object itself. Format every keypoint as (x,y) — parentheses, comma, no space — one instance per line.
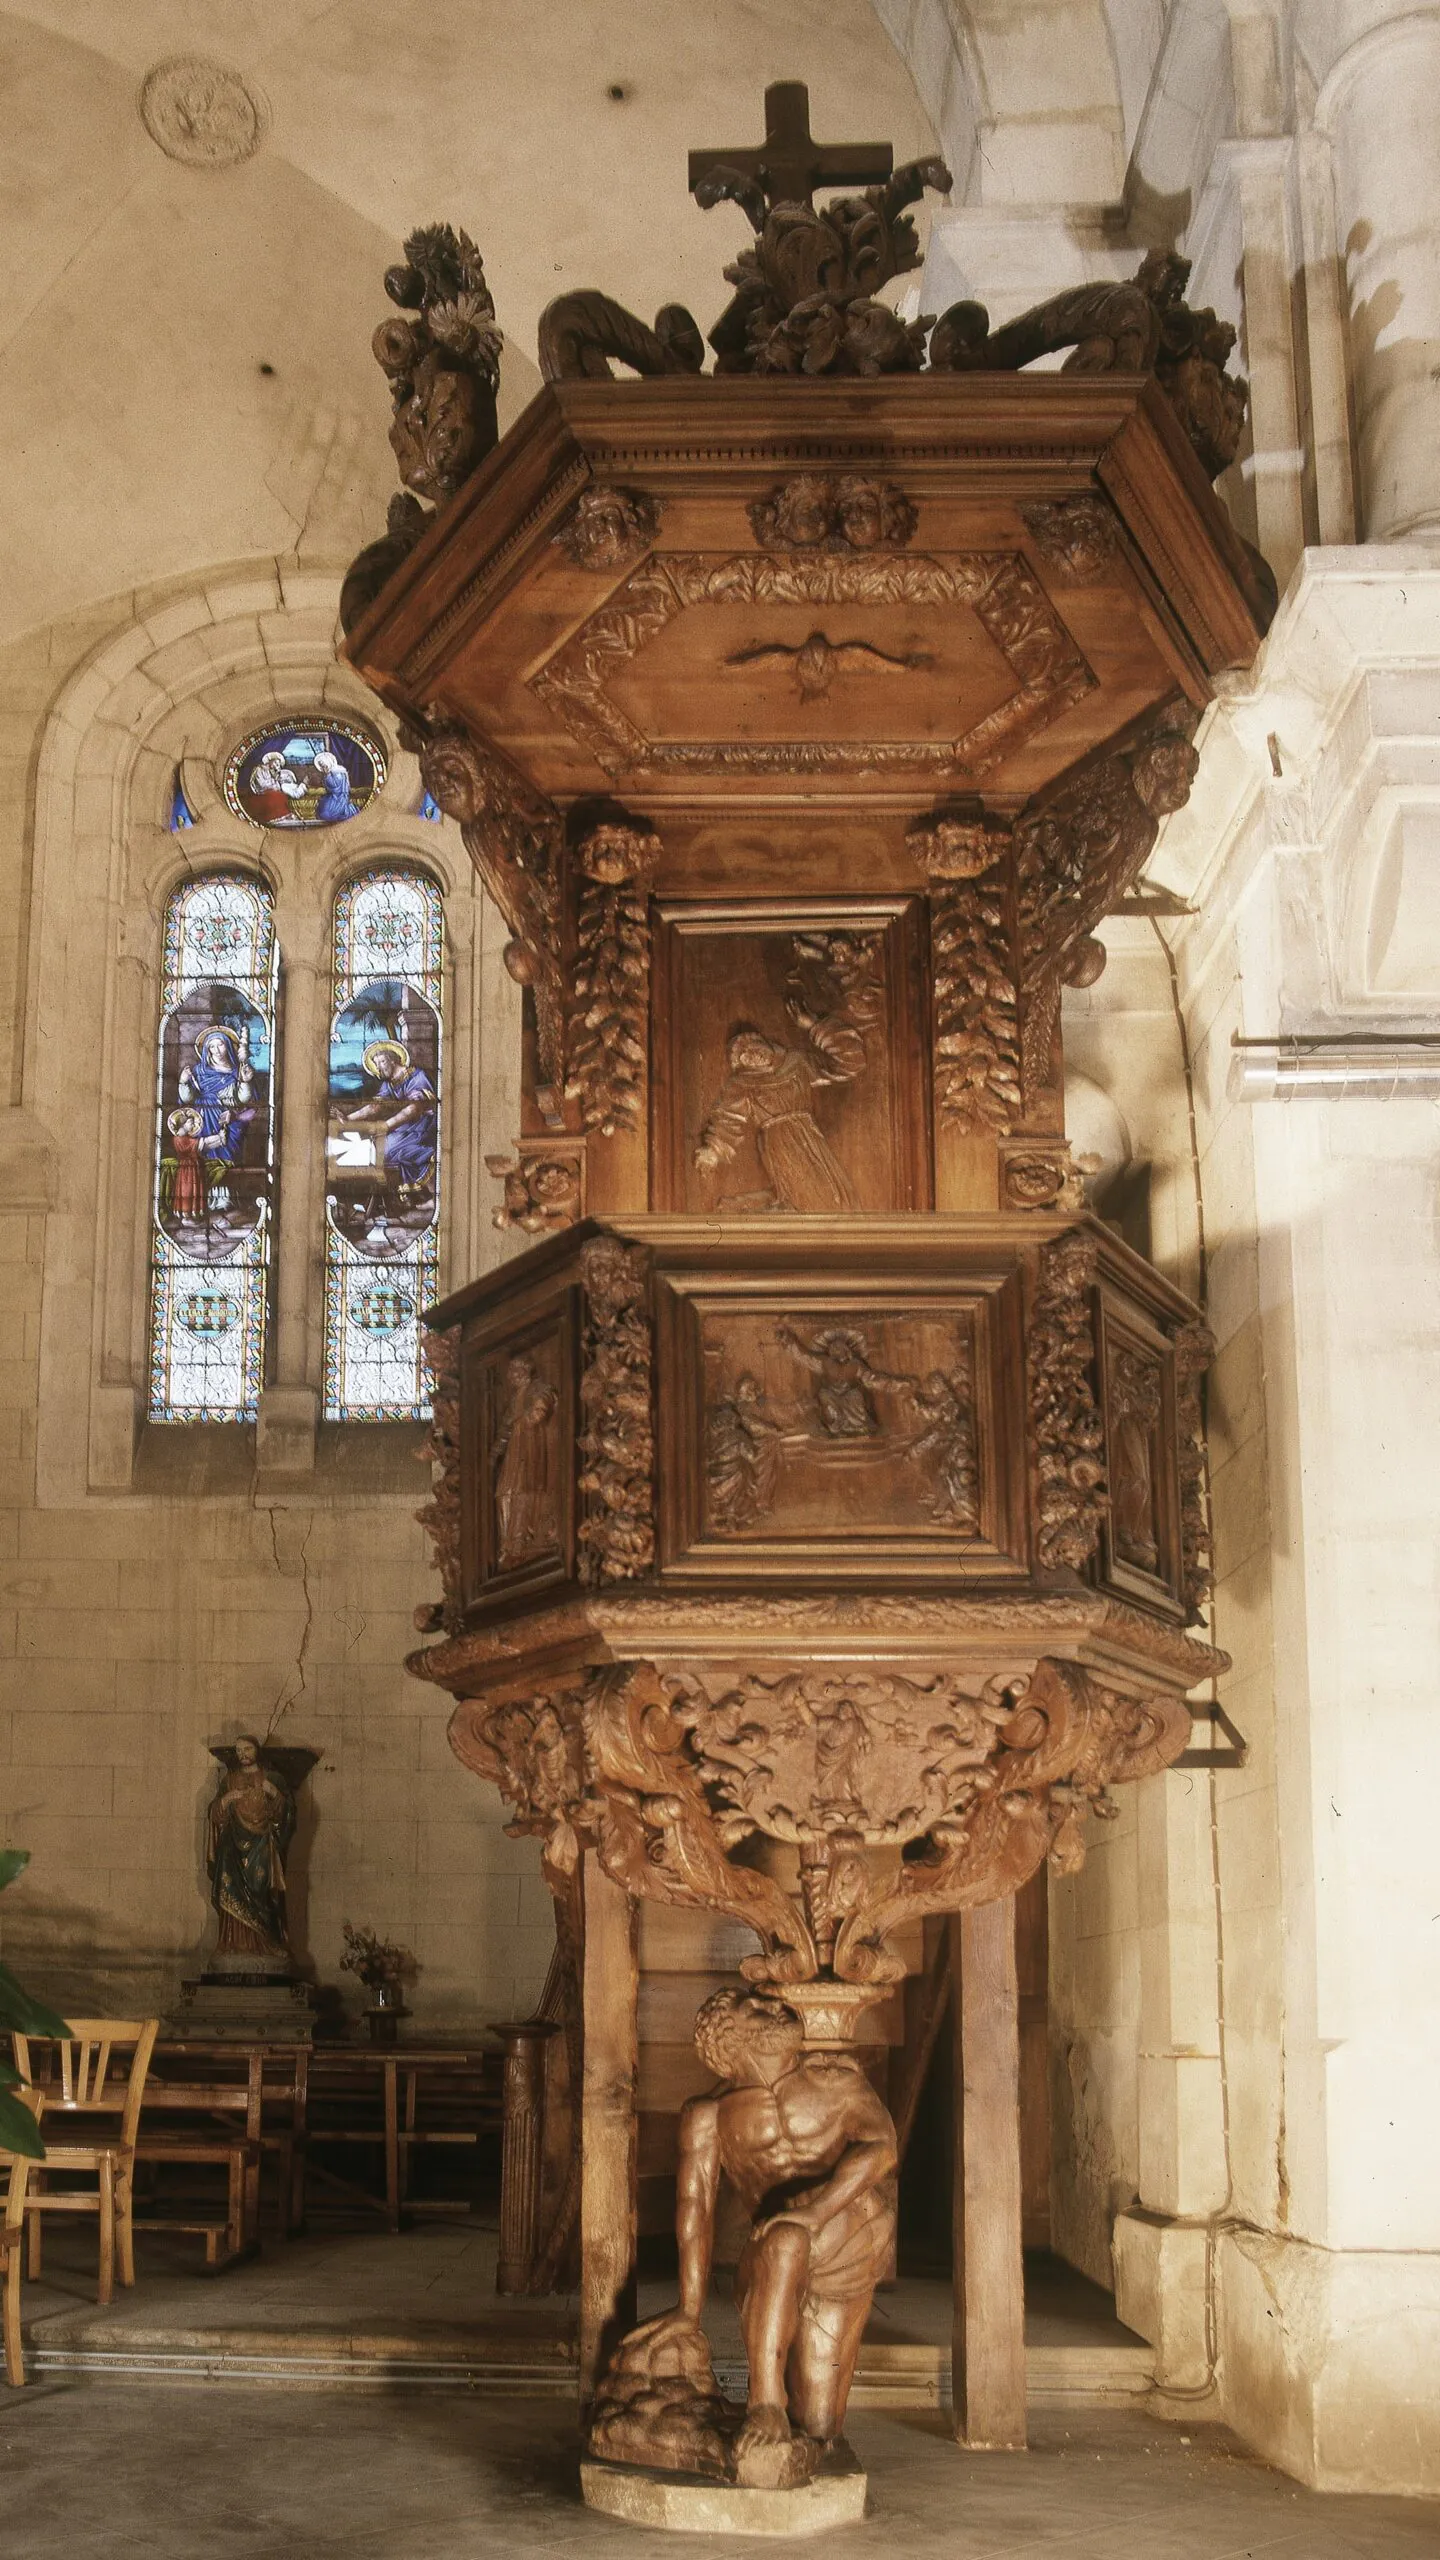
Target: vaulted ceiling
(185,368)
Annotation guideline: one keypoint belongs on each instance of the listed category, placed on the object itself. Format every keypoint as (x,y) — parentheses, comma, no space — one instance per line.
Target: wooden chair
(97,2071)
(12,2224)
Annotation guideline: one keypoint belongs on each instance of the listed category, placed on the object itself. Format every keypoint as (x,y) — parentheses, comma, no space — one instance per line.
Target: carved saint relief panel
(787,1053)
(835,1435)
(1140,1542)
(518,1400)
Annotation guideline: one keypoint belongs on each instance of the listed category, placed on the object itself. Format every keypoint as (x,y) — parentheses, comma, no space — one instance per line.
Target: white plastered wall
(163,1589)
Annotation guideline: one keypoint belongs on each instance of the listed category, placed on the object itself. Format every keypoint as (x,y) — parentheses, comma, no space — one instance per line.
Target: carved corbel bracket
(1067,1432)
(1078,856)
(544,1185)
(608,1047)
(514,836)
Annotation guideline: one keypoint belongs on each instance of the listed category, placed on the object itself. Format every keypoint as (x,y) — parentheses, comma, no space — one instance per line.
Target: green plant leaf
(13,1862)
(23,2015)
(18,2129)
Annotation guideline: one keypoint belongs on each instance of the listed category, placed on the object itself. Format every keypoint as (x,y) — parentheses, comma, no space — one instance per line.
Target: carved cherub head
(748,2035)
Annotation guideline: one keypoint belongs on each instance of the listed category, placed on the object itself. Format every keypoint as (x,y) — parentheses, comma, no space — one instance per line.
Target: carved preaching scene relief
(791,1077)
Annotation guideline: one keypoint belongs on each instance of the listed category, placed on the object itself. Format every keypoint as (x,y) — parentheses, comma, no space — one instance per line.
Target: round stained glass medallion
(305,774)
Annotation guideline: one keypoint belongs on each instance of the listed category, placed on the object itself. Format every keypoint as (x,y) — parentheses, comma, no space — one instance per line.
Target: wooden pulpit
(819,1498)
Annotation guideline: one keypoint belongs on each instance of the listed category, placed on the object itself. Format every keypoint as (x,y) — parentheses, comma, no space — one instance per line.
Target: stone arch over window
(162,703)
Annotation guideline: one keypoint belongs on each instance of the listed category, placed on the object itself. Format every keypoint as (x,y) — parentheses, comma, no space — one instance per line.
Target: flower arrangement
(380,1964)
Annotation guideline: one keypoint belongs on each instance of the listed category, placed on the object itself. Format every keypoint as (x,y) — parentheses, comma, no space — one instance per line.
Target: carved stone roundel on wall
(200,113)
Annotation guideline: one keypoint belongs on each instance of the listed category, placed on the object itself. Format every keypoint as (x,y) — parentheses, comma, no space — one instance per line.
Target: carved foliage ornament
(816,511)
(610,1008)
(1144,325)
(977,1036)
(544,1188)
(201,113)
(617,1533)
(665,1778)
(1067,1434)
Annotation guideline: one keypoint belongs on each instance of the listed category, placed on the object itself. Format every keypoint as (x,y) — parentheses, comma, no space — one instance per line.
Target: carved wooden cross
(789,163)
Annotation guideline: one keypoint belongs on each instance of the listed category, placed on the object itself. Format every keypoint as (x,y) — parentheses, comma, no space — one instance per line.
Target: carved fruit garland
(617,1534)
(1067,1434)
(609,1014)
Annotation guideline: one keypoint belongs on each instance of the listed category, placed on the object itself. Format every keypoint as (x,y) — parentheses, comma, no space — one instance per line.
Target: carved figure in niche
(839,1359)
(947,1441)
(768,1089)
(810,2151)
(834,996)
(1134,1402)
(840,1743)
(248,1834)
(525,1463)
(742,1456)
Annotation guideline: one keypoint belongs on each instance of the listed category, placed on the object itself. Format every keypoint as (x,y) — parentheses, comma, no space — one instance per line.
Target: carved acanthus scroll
(656,1832)
(617,1534)
(1067,1434)
(1065,1739)
(1077,857)
(513,835)
(1143,325)
(610,1008)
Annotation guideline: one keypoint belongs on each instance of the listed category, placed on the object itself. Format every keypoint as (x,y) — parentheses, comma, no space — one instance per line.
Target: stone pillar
(1377,102)
(290,1406)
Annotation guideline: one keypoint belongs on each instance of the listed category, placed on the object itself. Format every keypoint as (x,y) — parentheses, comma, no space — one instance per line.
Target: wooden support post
(989,2333)
(608,2153)
(522,2156)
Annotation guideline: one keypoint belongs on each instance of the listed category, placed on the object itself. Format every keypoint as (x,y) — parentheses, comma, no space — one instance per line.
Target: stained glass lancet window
(382,1145)
(214,1153)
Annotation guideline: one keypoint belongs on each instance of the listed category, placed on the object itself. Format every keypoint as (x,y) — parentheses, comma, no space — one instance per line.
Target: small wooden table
(401,2070)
